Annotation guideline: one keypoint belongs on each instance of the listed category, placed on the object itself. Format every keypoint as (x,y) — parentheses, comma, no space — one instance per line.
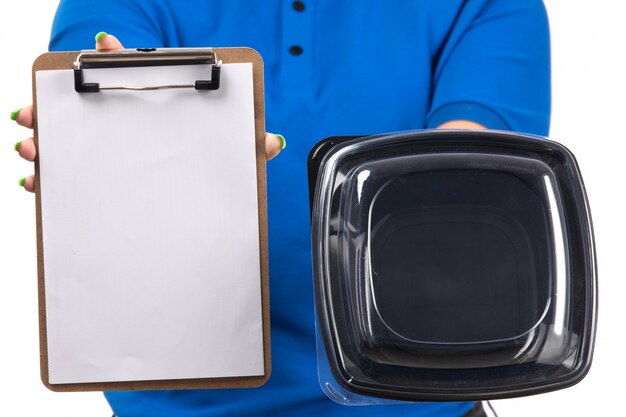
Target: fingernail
(14,113)
(17,146)
(22,181)
(100,35)
(283,142)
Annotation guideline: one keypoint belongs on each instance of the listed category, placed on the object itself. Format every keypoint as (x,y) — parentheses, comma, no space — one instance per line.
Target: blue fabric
(367,67)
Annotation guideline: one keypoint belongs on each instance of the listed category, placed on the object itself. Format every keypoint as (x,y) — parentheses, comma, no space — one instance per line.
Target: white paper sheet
(150,226)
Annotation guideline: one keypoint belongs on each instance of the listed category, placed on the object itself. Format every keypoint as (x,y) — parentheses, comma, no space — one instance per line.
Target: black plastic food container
(452,265)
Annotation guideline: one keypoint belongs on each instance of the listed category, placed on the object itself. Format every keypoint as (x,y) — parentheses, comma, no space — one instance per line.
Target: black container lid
(452,265)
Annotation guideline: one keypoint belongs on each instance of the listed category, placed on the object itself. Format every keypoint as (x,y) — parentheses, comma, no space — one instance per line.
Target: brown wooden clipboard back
(65,60)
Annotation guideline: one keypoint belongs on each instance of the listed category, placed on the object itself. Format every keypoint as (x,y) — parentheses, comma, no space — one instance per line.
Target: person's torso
(332,68)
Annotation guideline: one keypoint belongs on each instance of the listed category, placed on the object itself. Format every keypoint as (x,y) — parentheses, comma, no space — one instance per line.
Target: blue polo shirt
(334,68)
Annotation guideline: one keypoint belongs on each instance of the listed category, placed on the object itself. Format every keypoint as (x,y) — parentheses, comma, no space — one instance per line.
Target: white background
(589,69)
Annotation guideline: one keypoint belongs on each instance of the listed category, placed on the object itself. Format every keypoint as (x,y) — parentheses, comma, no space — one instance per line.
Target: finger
(26,149)
(24,116)
(273,145)
(106,42)
(461,124)
(28,183)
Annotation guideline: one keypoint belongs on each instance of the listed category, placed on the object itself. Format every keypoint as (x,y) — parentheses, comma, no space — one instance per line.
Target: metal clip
(146,57)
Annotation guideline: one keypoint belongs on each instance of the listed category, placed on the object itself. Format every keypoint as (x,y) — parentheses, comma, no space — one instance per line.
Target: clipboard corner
(53,60)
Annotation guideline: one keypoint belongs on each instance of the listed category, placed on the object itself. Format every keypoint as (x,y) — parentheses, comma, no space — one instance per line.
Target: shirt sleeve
(135,23)
(495,68)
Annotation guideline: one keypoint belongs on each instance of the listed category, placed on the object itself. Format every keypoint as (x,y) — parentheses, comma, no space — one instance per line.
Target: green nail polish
(283,142)
(100,35)
(17,146)
(14,113)
(22,181)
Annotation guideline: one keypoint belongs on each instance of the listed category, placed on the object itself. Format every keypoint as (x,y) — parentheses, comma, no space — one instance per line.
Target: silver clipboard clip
(146,57)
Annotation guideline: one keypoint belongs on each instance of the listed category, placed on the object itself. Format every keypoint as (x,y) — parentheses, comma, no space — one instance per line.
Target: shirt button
(298,6)
(295,50)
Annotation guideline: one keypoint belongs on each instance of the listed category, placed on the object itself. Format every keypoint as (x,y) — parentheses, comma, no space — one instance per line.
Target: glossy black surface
(439,272)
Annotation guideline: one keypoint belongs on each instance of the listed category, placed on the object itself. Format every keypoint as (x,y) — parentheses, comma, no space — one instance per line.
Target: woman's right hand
(104,42)
(24,117)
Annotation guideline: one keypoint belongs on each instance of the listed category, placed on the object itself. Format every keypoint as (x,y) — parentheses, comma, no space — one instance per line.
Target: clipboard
(151,219)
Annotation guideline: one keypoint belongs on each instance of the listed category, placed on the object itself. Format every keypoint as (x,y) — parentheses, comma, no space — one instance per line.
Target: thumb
(106,42)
